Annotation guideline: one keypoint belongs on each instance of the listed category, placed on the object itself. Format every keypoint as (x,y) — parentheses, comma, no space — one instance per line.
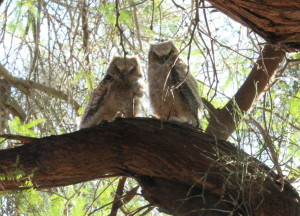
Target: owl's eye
(117,69)
(107,78)
(170,53)
(132,70)
(155,57)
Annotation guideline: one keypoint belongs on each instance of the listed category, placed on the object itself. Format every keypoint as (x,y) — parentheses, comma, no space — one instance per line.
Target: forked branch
(223,122)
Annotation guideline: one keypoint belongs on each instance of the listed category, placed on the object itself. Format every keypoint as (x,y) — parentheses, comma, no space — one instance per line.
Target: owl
(173,90)
(117,95)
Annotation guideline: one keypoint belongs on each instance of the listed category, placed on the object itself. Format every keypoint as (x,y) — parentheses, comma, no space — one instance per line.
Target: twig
(136,21)
(141,208)
(118,197)
(270,147)
(150,208)
(95,196)
(279,116)
(130,194)
(23,139)
(177,5)
(293,60)
(212,55)
(121,31)
(25,86)
(84,19)
(196,21)
(209,106)
(152,16)
(15,108)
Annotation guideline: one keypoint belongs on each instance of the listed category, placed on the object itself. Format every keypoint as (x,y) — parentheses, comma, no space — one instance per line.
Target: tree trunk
(180,169)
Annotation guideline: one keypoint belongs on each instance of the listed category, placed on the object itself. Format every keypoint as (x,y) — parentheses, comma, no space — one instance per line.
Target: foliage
(20,128)
(43,41)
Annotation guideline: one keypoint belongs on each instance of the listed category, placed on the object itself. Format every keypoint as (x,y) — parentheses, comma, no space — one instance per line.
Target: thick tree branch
(203,174)
(223,122)
(26,85)
(274,20)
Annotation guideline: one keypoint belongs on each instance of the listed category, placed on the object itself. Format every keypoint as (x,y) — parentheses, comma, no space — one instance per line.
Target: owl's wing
(189,90)
(95,102)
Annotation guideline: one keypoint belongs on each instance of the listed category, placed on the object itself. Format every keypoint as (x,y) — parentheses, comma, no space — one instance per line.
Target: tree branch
(15,109)
(118,197)
(225,120)
(275,21)
(270,147)
(22,139)
(193,175)
(25,87)
(7,102)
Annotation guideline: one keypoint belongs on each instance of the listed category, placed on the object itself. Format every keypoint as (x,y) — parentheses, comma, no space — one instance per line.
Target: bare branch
(23,139)
(15,108)
(25,87)
(118,197)
(270,147)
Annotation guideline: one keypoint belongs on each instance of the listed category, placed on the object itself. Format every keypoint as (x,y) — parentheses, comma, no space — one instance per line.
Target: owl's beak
(122,76)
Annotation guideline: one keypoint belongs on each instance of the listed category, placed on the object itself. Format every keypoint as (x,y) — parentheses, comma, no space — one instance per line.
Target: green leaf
(81,110)
(34,123)
(17,127)
(295,105)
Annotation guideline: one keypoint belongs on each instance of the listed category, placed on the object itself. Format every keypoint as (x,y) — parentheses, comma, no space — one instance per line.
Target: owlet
(174,92)
(117,95)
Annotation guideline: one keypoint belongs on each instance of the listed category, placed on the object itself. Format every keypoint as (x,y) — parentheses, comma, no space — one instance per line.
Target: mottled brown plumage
(117,95)
(174,92)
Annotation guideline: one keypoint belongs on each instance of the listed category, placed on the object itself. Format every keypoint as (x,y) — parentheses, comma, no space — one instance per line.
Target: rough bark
(180,169)
(223,122)
(276,21)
